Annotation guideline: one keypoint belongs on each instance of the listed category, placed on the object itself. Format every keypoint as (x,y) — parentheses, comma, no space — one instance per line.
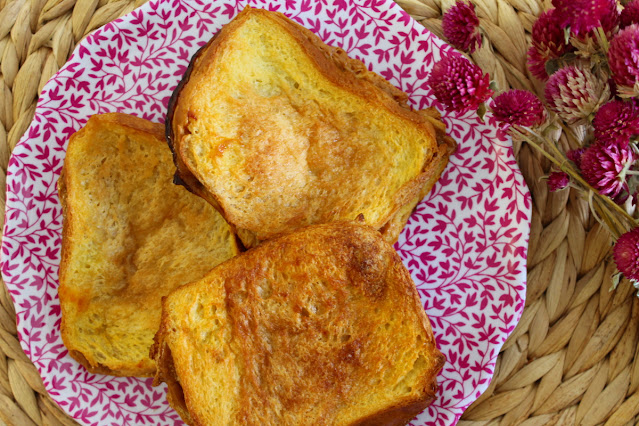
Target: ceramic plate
(465,245)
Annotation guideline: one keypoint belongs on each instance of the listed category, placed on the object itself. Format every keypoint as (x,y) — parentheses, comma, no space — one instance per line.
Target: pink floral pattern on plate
(465,245)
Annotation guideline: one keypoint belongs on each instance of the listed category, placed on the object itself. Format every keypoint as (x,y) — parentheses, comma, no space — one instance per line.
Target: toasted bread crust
(284,361)
(81,292)
(165,371)
(133,123)
(346,73)
(182,174)
(447,146)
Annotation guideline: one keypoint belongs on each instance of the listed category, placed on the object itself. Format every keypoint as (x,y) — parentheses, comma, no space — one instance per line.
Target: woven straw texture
(573,359)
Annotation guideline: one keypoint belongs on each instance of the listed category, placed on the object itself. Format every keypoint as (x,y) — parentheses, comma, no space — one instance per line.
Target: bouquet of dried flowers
(587,52)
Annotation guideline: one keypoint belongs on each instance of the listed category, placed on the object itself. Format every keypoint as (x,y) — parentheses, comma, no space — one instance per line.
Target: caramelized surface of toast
(278,131)
(322,326)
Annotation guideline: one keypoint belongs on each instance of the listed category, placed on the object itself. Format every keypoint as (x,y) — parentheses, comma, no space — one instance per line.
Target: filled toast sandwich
(278,131)
(130,236)
(321,326)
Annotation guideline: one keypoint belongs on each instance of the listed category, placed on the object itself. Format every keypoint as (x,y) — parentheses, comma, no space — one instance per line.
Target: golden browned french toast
(321,326)
(129,237)
(278,130)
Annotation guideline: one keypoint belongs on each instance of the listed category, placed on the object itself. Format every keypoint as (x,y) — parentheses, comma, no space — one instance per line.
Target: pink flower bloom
(604,166)
(547,43)
(558,181)
(616,120)
(629,14)
(623,59)
(537,63)
(461,26)
(575,155)
(459,84)
(582,16)
(519,107)
(574,93)
(626,254)
(610,19)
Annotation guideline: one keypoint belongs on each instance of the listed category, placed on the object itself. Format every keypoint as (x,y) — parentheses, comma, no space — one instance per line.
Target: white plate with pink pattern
(465,245)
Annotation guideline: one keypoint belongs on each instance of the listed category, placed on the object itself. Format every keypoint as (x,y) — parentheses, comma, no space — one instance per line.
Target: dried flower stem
(611,221)
(604,204)
(552,145)
(600,34)
(570,135)
(567,167)
(519,133)
(602,221)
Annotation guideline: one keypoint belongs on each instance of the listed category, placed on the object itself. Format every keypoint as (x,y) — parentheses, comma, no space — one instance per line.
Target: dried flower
(459,84)
(575,155)
(461,26)
(590,43)
(616,120)
(519,107)
(604,166)
(548,43)
(574,93)
(610,19)
(629,14)
(582,16)
(623,59)
(626,254)
(537,63)
(558,181)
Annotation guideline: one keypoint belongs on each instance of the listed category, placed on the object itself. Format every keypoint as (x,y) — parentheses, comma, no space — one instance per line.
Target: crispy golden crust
(322,326)
(447,146)
(126,241)
(348,74)
(132,123)
(182,174)
(166,369)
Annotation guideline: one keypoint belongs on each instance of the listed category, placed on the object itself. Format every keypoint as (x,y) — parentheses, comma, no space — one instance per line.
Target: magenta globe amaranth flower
(575,155)
(604,166)
(574,93)
(611,19)
(548,43)
(519,107)
(616,120)
(459,84)
(583,16)
(623,59)
(558,181)
(629,14)
(461,27)
(626,254)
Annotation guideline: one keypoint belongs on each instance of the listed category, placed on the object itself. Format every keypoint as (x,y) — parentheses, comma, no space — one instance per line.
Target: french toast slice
(130,236)
(278,130)
(321,326)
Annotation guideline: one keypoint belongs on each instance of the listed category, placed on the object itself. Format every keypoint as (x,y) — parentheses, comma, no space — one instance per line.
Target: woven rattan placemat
(573,357)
